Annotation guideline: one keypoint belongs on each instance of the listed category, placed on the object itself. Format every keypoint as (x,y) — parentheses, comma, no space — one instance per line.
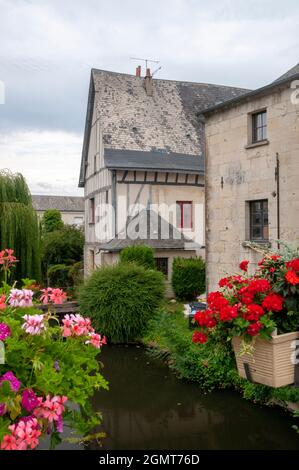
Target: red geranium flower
(228,313)
(292,278)
(254,328)
(293,265)
(254,312)
(199,337)
(225,282)
(273,302)
(244,265)
(205,318)
(259,285)
(216,300)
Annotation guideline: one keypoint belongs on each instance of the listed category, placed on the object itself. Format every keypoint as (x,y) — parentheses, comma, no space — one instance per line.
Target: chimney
(138,71)
(148,83)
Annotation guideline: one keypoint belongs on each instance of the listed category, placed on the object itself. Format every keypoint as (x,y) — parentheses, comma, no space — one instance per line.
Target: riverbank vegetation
(212,365)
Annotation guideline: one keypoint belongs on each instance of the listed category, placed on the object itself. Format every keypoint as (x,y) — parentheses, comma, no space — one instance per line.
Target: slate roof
(62,203)
(290,75)
(157,227)
(132,120)
(117,159)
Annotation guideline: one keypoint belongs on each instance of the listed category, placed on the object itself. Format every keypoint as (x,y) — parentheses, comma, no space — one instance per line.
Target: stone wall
(236,174)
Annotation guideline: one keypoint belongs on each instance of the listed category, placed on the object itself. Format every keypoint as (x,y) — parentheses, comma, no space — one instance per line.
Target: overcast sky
(47,49)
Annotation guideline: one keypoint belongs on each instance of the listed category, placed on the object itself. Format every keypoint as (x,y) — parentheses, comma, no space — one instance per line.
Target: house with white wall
(143,154)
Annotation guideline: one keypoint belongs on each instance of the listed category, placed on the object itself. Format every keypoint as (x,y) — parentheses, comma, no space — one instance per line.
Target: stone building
(70,207)
(252,174)
(143,145)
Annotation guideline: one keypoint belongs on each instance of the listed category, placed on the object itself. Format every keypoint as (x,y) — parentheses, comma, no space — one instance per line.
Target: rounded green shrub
(188,278)
(121,299)
(139,254)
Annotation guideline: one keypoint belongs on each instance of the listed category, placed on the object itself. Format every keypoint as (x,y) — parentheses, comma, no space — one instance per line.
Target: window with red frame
(184,214)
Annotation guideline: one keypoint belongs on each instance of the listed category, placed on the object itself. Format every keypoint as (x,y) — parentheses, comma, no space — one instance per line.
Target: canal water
(147,407)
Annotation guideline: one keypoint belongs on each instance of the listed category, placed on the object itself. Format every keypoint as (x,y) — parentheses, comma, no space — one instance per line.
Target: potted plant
(46,367)
(260,314)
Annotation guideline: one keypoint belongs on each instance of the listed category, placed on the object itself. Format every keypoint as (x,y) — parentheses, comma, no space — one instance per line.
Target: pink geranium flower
(34,324)
(20,298)
(5,331)
(14,385)
(24,435)
(11,378)
(96,340)
(51,409)
(9,442)
(7,259)
(56,296)
(2,302)
(76,325)
(29,400)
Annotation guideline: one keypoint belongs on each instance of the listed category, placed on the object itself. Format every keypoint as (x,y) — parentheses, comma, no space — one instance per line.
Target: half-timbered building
(143,144)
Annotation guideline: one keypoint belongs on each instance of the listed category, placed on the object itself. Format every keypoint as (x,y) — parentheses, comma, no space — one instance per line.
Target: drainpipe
(113,198)
(278,197)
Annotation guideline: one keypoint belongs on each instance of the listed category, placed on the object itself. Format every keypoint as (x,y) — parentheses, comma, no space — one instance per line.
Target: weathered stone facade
(238,172)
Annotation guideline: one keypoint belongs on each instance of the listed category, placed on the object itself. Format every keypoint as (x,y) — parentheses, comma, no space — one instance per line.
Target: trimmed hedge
(121,299)
(139,254)
(188,278)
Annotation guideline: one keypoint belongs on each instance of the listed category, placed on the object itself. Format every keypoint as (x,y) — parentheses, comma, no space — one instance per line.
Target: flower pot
(271,363)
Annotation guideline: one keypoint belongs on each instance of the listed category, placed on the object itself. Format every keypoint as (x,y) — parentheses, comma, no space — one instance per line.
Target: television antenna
(145,60)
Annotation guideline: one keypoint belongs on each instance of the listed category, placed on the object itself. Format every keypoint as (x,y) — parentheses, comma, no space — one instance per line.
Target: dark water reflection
(147,407)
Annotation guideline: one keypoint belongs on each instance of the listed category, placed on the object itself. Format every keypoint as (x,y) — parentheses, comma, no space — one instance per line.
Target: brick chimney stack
(148,83)
(138,71)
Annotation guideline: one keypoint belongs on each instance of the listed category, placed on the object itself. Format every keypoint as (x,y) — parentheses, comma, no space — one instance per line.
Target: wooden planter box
(271,361)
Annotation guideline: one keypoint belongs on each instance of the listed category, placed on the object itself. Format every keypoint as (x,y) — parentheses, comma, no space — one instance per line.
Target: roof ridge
(169,80)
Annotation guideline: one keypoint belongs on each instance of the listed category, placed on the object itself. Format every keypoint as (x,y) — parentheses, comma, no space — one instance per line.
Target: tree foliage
(19,228)
(64,246)
(51,220)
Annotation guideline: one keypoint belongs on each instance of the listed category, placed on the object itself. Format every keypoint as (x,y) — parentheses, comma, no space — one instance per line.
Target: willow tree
(19,227)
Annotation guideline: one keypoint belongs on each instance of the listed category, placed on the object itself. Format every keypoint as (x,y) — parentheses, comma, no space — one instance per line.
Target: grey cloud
(47,49)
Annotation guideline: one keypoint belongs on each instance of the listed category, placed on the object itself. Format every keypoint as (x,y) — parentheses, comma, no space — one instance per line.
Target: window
(162,265)
(91,259)
(259,225)
(184,214)
(78,220)
(107,197)
(91,211)
(259,126)
(95,164)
